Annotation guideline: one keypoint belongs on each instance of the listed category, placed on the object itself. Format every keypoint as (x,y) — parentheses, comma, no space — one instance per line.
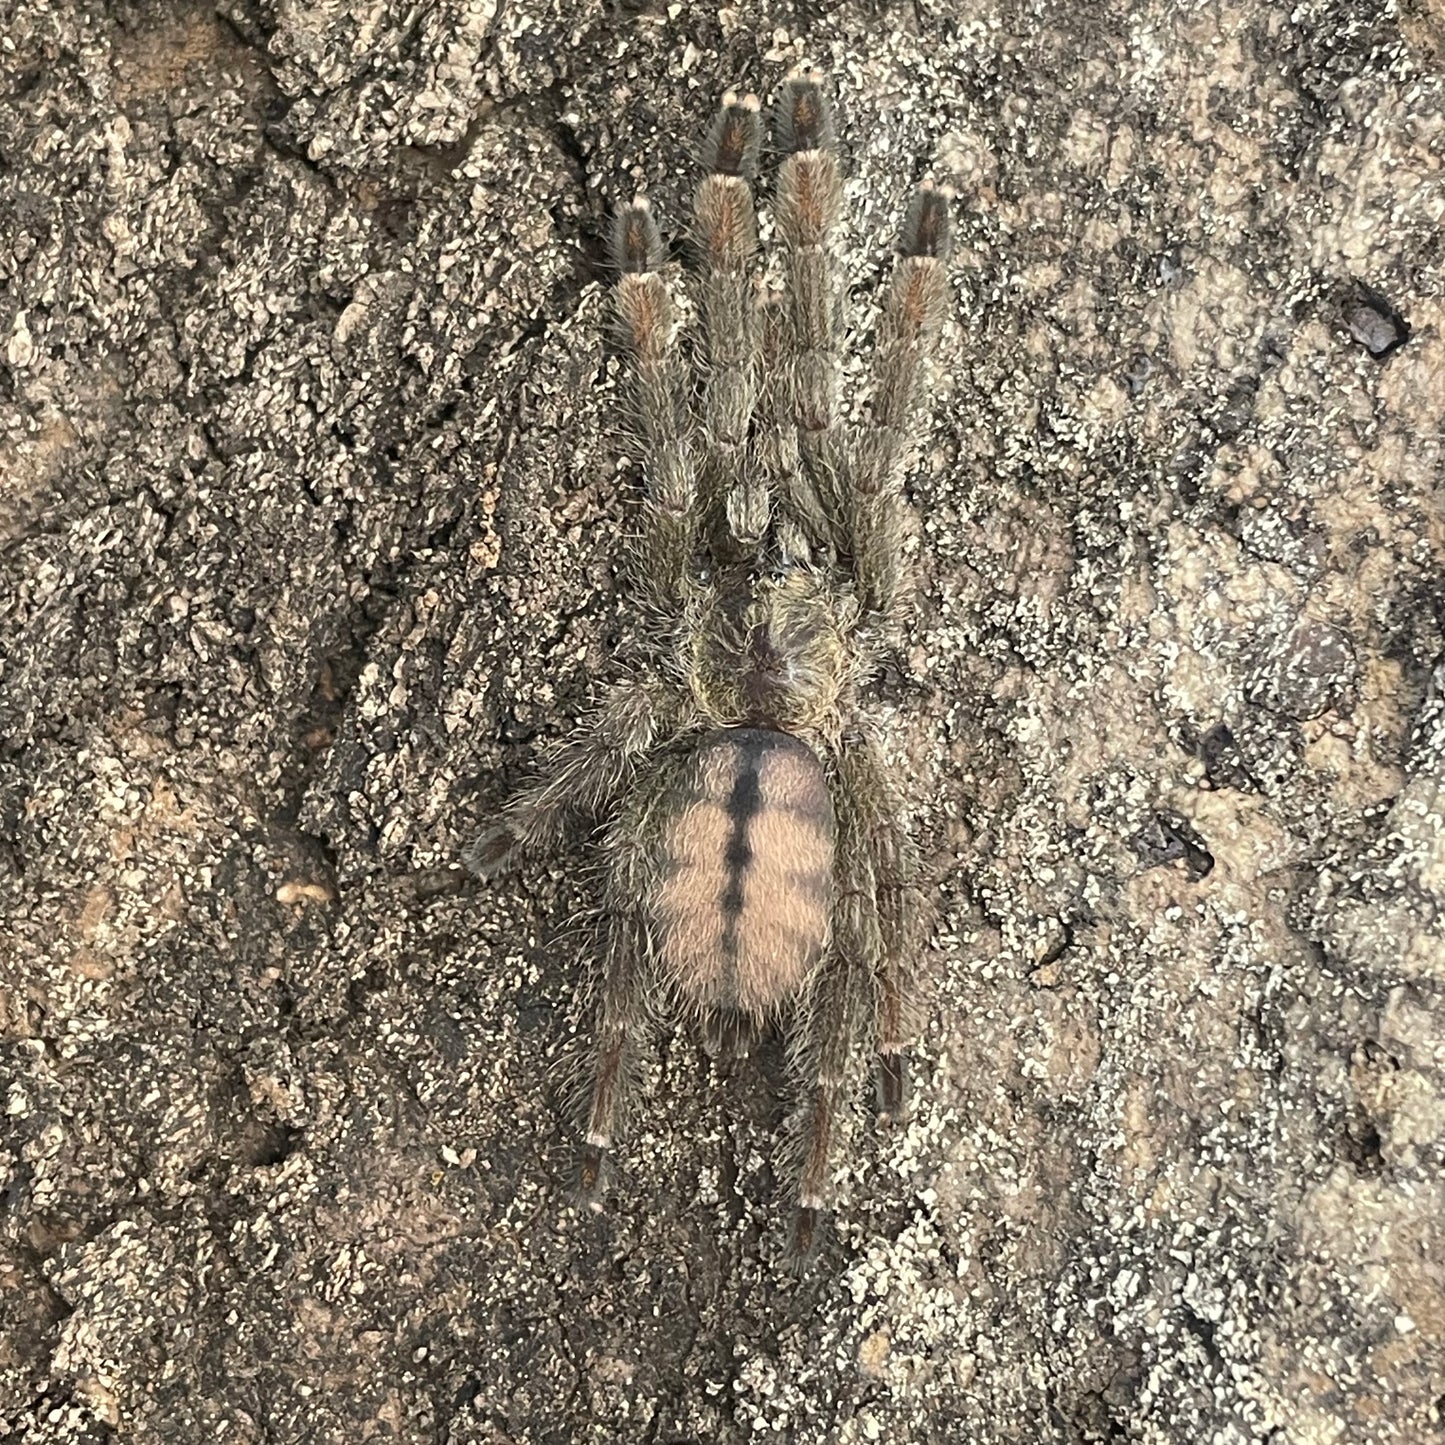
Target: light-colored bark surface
(308,505)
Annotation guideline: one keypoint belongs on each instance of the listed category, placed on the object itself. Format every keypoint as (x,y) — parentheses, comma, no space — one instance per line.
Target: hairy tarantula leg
(875,820)
(583,774)
(776,442)
(862,993)
(808,200)
(840,1012)
(647,318)
(611,1067)
(907,332)
(625,994)
(726,238)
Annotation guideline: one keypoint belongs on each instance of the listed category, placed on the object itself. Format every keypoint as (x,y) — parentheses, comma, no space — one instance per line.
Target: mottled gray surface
(306,498)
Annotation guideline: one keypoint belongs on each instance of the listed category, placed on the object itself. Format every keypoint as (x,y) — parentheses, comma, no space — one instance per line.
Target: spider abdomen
(743,914)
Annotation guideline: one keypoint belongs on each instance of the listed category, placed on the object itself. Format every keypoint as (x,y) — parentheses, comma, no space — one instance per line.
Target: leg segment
(875,816)
(840,1013)
(648,322)
(776,441)
(861,999)
(809,198)
(726,238)
(623,1014)
(584,774)
(627,993)
(907,331)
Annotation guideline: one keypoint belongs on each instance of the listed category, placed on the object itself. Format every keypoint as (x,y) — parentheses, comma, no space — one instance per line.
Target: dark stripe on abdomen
(744,911)
(743,803)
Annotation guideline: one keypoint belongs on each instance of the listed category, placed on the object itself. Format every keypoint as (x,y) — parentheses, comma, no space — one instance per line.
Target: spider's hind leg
(624,986)
(624,992)
(840,1012)
(876,814)
(836,1029)
(862,998)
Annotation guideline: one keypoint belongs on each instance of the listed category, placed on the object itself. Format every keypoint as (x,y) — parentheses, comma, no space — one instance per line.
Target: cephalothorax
(758,866)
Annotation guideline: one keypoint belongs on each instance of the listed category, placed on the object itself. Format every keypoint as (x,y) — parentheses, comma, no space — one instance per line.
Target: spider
(757,864)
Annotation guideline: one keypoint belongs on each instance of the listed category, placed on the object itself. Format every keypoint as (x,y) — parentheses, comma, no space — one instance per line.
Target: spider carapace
(757,864)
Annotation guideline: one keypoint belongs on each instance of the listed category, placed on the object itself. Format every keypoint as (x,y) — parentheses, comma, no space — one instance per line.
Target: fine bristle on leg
(647,320)
(808,202)
(623,1012)
(726,240)
(907,332)
(585,773)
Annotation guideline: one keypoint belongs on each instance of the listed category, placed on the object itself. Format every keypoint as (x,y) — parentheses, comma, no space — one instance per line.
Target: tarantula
(757,864)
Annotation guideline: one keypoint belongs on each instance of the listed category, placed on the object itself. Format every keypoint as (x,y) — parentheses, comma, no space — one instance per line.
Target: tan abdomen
(744,913)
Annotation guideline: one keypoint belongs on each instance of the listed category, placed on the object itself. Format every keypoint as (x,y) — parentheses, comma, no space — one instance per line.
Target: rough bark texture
(308,511)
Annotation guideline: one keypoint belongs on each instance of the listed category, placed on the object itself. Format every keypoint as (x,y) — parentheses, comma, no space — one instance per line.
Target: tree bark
(310,495)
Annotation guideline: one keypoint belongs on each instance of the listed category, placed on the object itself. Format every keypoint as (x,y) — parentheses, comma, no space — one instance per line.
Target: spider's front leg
(661,553)
(585,773)
(725,237)
(804,335)
(907,333)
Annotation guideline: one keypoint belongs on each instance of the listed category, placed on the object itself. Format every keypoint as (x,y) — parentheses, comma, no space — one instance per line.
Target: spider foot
(728,1035)
(733,143)
(927,224)
(892,1088)
(804,116)
(592,1176)
(809,1226)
